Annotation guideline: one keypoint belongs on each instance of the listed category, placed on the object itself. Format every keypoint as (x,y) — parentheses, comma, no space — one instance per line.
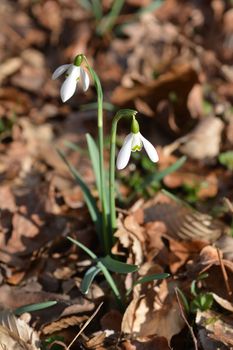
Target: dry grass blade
(85,325)
(186,321)
(224,273)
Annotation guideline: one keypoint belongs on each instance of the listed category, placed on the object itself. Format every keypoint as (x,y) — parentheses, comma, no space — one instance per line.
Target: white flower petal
(125,151)
(69,86)
(150,150)
(60,70)
(85,80)
(136,142)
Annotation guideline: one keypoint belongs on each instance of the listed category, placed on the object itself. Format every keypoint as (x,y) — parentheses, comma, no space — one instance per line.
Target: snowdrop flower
(74,73)
(135,142)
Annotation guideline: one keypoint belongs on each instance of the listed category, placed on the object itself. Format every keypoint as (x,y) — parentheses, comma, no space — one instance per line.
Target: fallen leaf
(154,313)
(201,143)
(214,330)
(16,333)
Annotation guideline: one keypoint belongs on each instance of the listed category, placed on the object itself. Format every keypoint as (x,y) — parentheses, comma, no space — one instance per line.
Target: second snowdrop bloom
(74,74)
(135,142)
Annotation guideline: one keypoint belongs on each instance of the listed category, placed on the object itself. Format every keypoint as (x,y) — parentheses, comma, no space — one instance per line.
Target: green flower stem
(103,197)
(123,113)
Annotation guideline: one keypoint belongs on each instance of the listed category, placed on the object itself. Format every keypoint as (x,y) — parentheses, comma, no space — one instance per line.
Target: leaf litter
(182,87)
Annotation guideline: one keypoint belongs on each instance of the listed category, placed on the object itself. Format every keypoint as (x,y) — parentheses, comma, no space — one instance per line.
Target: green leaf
(89,199)
(95,159)
(193,288)
(83,247)
(107,106)
(226,159)
(117,266)
(75,147)
(206,301)
(153,277)
(100,265)
(151,7)
(160,175)
(184,300)
(34,307)
(202,302)
(109,279)
(148,278)
(88,278)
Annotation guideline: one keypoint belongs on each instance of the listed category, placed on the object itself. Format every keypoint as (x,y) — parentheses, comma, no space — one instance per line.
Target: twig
(85,325)
(228,203)
(224,273)
(186,321)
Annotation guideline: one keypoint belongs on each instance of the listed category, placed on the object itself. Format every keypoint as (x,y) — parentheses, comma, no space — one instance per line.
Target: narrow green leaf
(109,20)
(89,199)
(117,266)
(184,300)
(97,9)
(160,175)
(83,247)
(151,7)
(74,147)
(153,277)
(148,278)
(176,199)
(34,307)
(95,159)
(88,278)
(107,106)
(100,265)
(109,279)
(193,288)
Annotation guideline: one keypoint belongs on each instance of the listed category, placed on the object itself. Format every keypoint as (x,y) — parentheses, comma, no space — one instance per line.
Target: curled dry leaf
(208,262)
(63,323)
(222,302)
(195,101)
(16,333)
(130,235)
(201,143)
(225,244)
(154,313)
(183,222)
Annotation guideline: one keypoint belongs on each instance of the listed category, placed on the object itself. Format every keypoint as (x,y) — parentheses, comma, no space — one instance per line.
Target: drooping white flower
(74,74)
(134,142)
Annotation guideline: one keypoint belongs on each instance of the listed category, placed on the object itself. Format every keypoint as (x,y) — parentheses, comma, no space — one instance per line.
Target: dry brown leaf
(16,333)
(64,323)
(158,343)
(181,221)
(112,320)
(130,235)
(201,143)
(206,186)
(9,67)
(214,330)
(181,252)
(96,341)
(154,313)
(208,261)
(222,302)
(195,101)
(225,244)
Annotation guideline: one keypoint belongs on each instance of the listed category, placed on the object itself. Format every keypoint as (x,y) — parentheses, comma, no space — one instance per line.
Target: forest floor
(170,60)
